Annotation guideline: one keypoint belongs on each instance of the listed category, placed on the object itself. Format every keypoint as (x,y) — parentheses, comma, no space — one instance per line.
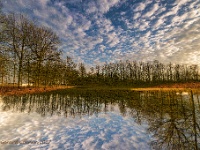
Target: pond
(101,119)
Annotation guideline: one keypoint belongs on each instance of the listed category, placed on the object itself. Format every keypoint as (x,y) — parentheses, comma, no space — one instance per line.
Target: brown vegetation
(171,86)
(7,90)
(193,85)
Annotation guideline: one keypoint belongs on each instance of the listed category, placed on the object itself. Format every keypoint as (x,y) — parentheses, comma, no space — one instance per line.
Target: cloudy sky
(96,31)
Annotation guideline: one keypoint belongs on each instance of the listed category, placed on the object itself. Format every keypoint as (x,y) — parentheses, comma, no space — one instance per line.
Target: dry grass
(158,89)
(29,90)
(193,85)
(173,86)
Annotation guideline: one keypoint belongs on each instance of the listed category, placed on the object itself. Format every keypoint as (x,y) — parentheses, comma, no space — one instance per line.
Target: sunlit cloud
(111,30)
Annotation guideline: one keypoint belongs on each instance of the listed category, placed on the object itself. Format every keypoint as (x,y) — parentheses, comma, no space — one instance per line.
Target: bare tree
(17,31)
(43,43)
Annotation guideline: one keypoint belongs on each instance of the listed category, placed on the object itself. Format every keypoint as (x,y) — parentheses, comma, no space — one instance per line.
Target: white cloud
(42,3)
(105,5)
(101,48)
(136,24)
(92,7)
(180,3)
(143,25)
(105,25)
(160,22)
(69,20)
(174,10)
(101,6)
(112,39)
(148,34)
(179,19)
(136,15)
(152,11)
(182,44)
(140,7)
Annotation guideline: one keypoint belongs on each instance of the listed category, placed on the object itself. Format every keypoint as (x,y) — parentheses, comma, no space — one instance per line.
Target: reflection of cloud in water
(107,131)
(182,93)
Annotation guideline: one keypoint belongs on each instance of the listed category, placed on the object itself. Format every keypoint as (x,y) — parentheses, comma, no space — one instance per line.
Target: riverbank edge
(7,91)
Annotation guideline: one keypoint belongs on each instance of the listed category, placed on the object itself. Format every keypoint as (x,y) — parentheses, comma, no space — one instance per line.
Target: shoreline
(8,91)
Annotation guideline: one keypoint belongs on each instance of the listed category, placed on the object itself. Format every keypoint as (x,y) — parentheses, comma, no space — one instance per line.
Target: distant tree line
(132,73)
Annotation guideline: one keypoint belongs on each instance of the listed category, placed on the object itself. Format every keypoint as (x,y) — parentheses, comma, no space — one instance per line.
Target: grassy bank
(10,90)
(171,86)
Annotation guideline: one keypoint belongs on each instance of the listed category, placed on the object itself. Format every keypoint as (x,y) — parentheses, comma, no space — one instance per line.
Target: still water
(101,119)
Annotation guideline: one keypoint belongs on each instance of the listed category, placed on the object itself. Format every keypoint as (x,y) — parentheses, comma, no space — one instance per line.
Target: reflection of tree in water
(173,118)
(176,125)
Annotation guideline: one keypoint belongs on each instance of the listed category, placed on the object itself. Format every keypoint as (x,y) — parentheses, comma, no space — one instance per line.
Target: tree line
(30,54)
(133,73)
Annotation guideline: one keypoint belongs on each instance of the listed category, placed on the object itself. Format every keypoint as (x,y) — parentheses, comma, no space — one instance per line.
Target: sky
(98,31)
